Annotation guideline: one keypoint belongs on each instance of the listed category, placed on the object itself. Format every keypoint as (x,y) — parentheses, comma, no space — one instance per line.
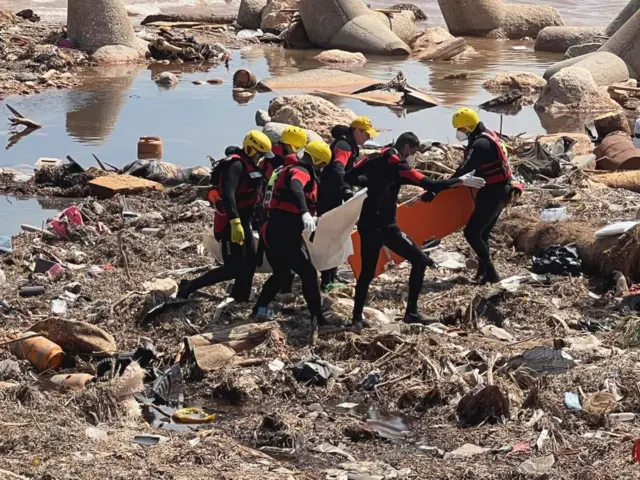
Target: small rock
(262,118)
(167,286)
(524,81)
(498,333)
(315,407)
(115,55)
(199,82)
(26,77)
(151,219)
(94,433)
(166,79)
(10,370)
(215,81)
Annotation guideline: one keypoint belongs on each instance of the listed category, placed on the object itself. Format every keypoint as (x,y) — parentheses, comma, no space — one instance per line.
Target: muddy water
(575,12)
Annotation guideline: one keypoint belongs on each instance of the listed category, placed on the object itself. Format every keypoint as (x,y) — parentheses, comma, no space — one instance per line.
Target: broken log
(164,46)
(611,122)
(506,99)
(20,119)
(624,89)
(192,18)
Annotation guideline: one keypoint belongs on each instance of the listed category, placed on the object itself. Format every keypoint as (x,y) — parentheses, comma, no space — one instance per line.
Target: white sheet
(212,247)
(332,243)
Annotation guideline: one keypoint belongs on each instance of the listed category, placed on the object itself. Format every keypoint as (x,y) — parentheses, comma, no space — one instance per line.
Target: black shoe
(337,278)
(482,270)
(184,289)
(418,318)
(358,323)
(490,275)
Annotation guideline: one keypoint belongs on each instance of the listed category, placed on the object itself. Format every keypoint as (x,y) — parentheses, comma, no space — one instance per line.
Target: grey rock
(559,39)
(623,17)
(250,13)
(582,49)
(97,23)
(262,118)
(477,19)
(606,68)
(26,77)
(625,43)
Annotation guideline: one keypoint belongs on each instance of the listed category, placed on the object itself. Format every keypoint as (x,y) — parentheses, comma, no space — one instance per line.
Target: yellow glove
(237,232)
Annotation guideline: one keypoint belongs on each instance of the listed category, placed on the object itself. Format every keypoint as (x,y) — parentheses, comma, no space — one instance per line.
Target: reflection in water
(94,113)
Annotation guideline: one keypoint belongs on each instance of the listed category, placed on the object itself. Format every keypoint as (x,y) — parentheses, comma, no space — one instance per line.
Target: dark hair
(407,138)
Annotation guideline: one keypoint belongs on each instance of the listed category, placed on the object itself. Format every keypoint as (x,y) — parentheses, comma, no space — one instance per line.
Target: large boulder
(524,81)
(349,25)
(250,13)
(430,36)
(98,23)
(625,14)
(528,20)
(574,90)
(274,130)
(583,49)
(559,39)
(472,17)
(606,68)
(309,112)
(625,43)
(273,17)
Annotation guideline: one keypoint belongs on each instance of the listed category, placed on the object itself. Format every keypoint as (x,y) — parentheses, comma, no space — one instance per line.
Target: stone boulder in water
(559,39)
(250,13)
(574,90)
(605,67)
(526,82)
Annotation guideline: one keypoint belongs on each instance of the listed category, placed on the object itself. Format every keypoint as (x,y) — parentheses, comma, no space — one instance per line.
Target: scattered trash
(636,451)
(10,370)
(391,427)
(94,433)
(74,380)
(41,352)
(466,451)
(537,466)
(275,365)
(77,338)
(622,417)
(339,450)
(599,403)
(448,260)
(315,371)
(558,260)
(543,360)
(149,440)
(615,229)
(482,404)
(59,307)
(497,332)
(192,416)
(250,33)
(371,380)
(572,401)
(554,214)
(31,290)
(347,405)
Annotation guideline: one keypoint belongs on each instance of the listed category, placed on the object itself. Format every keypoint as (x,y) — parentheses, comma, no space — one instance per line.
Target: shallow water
(16,211)
(575,12)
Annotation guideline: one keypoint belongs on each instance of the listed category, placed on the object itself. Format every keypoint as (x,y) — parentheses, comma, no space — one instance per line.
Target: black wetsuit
(333,188)
(483,156)
(239,182)
(383,175)
(294,193)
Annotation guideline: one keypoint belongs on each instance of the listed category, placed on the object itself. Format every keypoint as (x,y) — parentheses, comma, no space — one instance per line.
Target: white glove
(308,222)
(470,181)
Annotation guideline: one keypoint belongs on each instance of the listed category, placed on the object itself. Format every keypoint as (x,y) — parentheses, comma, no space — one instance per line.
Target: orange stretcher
(448,212)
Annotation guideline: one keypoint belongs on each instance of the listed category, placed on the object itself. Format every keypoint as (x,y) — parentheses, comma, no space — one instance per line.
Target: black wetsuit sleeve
(480,153)
(298,198)
(230,181)
(357,176)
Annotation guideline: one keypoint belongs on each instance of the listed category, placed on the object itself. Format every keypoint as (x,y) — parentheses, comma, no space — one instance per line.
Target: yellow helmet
(465,119)
(320,153)
(256,141)
(295,137)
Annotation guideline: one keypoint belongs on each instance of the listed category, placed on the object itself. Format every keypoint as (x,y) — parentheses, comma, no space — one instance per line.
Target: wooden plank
(360,97)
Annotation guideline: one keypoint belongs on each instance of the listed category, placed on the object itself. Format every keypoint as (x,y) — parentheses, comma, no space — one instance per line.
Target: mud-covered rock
(574,90)
(436,43)
(250,13)
(526,82)
(340,57)
(166,79)
(308,111)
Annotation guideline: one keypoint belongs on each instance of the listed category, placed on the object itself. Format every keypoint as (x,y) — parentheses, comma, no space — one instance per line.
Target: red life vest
(281,197)
(247,192)
(499,170)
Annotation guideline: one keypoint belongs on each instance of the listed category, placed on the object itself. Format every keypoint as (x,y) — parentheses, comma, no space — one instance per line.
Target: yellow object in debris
(187,415)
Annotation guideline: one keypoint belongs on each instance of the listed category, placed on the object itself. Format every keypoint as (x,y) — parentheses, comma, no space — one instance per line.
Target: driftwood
(19,119)
(624,89)
(189,18)
(164,46)
(611,122)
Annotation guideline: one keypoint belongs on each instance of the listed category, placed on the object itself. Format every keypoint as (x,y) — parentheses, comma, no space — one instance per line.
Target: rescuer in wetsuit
(292,141)
(236,184)
(486,156)
(383,174)
(292,195)
(333,189)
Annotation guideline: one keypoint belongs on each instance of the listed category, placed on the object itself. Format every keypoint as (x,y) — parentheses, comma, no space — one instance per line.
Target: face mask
(461,136)
(301,153)
(411,159)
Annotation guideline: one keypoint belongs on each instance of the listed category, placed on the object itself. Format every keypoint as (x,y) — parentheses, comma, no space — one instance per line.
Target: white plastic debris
(276,365)
(615,229)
